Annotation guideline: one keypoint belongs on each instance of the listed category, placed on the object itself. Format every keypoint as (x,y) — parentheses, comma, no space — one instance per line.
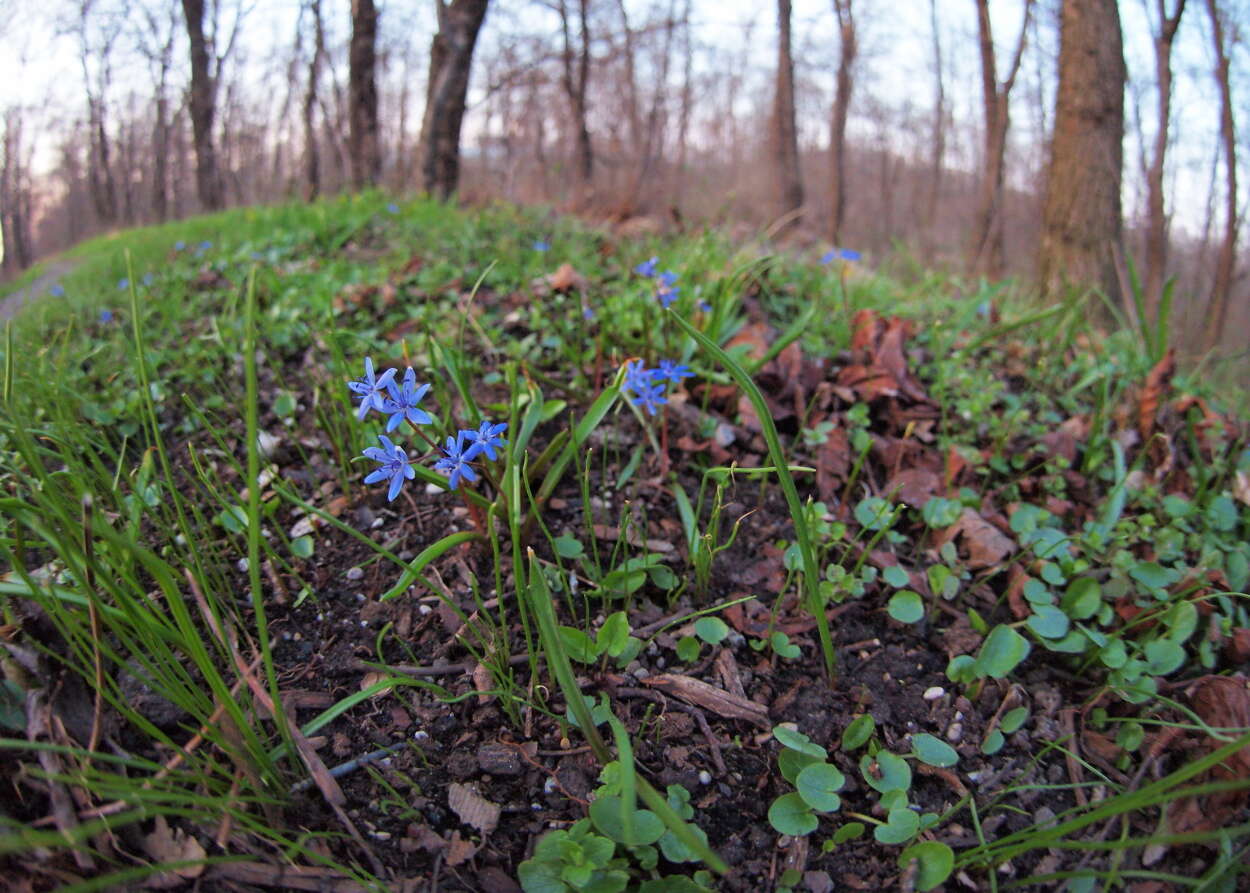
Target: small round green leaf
(1013,719)
(902,826)
(688,648)
(818,785)
(993,743)
(712,630)
(896,576)
(1001,652)
(906,606)
(885,772)
(933,751)
(568,547)
(858,732)
(798,741)
(1048,622)
(1163,656)
(1082,598)
(790,815)
(849,831)
(791,763)
(605,812)
(935,861)
(302,547)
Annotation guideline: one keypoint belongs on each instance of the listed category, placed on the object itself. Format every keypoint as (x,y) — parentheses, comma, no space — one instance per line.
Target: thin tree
(312,156)
(16,245)
(986,247)
(362,91)
(97,31)
(841,108)
(574,78)
(1081,222)
(1156,215)
(1217,309)
(785,131)
(155,41)
(451,58)
(203,102)
(937,145)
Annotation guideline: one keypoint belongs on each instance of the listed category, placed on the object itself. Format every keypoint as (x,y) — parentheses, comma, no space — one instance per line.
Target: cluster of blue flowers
(402,402)
(649,385)
(666,289)
(839,254)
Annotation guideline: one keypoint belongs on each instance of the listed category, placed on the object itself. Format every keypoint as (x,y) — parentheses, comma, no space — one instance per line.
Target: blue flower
(671,371)
(667,296)
(641,381)
(839,254)
(587,313)
(455,464)
(393,208)
(540,245)
(667,279)
(705,306)
(395,466)
(180,245)
(370,388)
(57,290)
(405,400)
(203,246)
(106,316)
(123,284)
(487,436)
(647,268)
(148,278)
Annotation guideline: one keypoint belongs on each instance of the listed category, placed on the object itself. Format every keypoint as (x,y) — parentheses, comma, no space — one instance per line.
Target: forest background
(923,132)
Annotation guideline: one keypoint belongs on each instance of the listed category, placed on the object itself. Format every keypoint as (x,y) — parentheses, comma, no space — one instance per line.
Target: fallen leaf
(914,486)
(459,850)
(564,278)
(474,809)
(1221,702)
(984,543)
(1158,381)
(165,844)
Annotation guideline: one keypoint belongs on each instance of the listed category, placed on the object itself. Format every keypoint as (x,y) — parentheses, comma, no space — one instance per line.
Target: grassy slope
(341,280)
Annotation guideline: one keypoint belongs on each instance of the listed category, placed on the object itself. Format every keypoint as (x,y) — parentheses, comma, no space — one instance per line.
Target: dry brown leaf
(166,844)
(1222,702)
(985,544)
(914,486)
(564,278)
(1157,383)
(483,682)
(474,809)
(1241,486)
(709,697)
(459,850)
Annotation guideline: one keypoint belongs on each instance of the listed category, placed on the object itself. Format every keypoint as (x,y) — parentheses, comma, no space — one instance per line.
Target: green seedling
(613,640)
(816,783)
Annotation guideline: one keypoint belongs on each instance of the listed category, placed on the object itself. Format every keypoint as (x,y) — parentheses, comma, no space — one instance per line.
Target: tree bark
(575,76)
(451,57)
(785,131)
(937,160)
(986,248)
(841,108)
(366,153)
(1217,309)
(312,156)
(203,102)
(1081,219)
(1157,221)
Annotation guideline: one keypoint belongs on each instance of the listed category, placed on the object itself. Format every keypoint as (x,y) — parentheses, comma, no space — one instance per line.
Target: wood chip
(709,697)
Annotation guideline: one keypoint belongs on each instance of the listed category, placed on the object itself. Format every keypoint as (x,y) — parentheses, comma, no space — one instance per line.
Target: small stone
(499,759)
(355,573)
(955,732)
(241,565)
(705,777)
(934,693)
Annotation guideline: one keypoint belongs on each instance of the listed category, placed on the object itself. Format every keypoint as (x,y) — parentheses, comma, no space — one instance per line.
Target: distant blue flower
(405,401)
(106,316)
(587,313)
(203,246)
(671,371)
(668,279)
(647,268)
(705,306)
(636,375)
(667,296)
(370,389)
(540,245)
(455,464)
(839,254)
(650,397)
(123,284)
(395,466)
(57,290)
(488,437)
(393,208)
(149,278)
(180,245)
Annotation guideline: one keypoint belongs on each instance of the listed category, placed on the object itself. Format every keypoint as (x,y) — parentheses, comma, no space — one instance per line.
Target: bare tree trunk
(785,131)
(366,153)
(574,78)
(937,160)
(203,109)
(1217,309)
(841,107)
(1081,220)
(986,248)
(312,156)
(631,81)
(14,196)
(451,56)
(683,121)
(1156,221)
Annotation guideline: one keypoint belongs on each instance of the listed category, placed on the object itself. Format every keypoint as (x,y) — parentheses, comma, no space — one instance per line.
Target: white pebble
(355,573)
(424,609)
(549,786)
(934,693)
(241,564)
(420,735)
(705,777)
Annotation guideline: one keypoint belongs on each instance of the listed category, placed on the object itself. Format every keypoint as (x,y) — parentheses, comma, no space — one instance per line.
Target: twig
(657,698)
